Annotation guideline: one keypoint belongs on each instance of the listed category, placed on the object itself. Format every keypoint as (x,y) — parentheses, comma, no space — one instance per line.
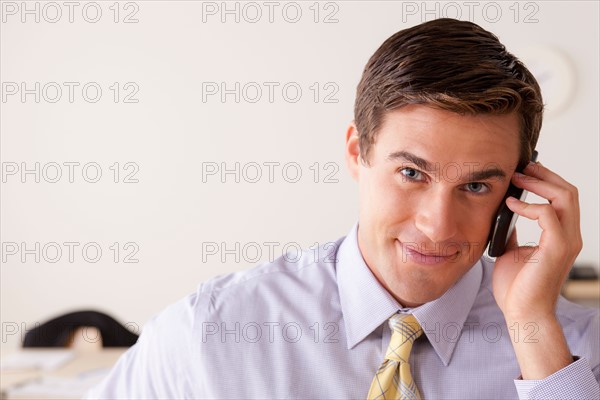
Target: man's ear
(353,151)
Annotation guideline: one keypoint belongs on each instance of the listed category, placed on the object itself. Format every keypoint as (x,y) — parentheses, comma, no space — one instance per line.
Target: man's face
(428,197)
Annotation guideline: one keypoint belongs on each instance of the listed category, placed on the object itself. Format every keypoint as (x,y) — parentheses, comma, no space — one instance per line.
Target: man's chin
(417,295)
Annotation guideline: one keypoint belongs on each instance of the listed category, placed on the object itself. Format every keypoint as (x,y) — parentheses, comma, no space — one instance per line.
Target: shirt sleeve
(575,381)
(157,366)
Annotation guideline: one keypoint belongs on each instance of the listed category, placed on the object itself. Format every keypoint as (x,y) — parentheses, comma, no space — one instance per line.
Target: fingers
(556,190)
(544,214)
(560,239)
(563,196)
(559,220)
(539,171)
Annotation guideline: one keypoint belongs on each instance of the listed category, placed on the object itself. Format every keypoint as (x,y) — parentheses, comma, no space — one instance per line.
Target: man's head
(452,65)
(443,117)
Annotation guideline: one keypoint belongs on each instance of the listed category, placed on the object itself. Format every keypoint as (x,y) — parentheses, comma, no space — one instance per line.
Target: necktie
(393,379)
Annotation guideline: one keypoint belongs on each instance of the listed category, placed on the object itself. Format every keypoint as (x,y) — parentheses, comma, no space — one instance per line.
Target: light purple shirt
(316,328)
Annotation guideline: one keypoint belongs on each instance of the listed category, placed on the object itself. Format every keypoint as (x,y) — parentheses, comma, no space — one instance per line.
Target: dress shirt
(316,328)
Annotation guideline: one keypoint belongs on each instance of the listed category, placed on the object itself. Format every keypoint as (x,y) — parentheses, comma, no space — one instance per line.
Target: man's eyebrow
(486,174)
(471,176)
(410,157)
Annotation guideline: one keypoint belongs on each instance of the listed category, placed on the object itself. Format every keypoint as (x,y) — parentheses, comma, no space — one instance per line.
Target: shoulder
(577,315)
(284,281)
(295,263)
(164,362)
(298,273)
(582,329)
(300,284)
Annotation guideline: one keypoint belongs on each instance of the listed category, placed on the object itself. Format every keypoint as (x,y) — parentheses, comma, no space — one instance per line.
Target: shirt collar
(443,318)
(366,304)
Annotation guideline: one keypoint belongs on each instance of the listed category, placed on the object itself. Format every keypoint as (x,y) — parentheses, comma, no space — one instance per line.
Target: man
(444,116)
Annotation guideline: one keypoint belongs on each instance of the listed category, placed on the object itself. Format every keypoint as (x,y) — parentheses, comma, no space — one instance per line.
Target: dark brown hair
(452,65)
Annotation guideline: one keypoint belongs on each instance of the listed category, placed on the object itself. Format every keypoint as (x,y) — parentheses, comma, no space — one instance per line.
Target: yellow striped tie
(393,379)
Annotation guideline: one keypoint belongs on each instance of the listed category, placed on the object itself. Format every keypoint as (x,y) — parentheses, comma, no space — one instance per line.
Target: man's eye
(477,187)
(412,174)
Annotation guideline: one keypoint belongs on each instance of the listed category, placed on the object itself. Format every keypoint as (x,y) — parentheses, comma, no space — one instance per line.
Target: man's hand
(527,280)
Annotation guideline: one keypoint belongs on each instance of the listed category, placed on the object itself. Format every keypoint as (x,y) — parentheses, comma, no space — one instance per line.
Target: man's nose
(437,215)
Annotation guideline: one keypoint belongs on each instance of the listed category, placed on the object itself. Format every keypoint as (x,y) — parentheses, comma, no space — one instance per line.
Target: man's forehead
(414,122)
(433,138)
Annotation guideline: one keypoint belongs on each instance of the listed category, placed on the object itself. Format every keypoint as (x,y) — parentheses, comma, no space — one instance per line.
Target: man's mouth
(411,252)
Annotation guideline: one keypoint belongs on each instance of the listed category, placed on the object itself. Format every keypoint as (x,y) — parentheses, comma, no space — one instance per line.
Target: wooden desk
(586,292)
(82,363)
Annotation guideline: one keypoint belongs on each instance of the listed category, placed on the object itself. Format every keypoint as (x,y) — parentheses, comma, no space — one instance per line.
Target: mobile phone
(506,219)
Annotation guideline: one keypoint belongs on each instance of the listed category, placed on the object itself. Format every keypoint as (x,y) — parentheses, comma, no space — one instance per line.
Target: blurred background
(148,146)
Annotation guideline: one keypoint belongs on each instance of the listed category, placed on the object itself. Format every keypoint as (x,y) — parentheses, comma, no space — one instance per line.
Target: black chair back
(58,331)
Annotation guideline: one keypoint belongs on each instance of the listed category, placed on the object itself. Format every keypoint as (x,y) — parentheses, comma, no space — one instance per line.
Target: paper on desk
(46,360)
(54,387)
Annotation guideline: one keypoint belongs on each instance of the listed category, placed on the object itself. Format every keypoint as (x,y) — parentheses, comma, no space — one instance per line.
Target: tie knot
(405,330)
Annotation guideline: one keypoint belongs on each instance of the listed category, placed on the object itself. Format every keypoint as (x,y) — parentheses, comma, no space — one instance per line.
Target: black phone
(505,219)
